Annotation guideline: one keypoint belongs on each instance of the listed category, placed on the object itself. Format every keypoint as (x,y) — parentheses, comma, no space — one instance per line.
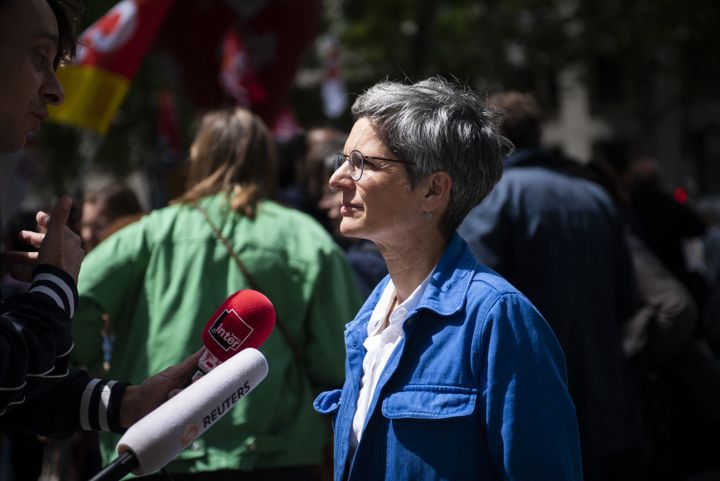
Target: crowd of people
(454,300)
(599,249)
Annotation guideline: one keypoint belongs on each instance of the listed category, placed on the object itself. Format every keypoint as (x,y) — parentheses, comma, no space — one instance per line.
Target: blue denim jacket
(476,389)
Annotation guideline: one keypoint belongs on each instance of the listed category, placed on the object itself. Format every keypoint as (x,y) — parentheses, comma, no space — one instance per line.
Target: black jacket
(38,392)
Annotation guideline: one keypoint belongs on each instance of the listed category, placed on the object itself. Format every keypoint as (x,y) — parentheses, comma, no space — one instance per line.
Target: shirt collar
(401,311)
(451,279)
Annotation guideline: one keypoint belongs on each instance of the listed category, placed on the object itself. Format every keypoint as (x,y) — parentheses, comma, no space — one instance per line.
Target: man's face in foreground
(28,46)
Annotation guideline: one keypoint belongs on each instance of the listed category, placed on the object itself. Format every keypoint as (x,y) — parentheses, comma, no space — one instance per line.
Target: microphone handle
(117,470)
(206,363)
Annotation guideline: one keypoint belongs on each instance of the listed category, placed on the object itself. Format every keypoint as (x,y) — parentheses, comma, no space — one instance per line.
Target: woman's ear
(437,194)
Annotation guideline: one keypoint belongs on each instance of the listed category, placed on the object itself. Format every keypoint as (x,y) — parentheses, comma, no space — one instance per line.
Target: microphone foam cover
(245,319)
(158,438)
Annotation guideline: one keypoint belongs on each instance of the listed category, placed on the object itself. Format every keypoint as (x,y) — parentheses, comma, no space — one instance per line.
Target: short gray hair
(441,126)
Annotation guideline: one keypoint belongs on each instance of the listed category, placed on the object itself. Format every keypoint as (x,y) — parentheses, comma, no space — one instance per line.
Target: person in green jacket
(161,278)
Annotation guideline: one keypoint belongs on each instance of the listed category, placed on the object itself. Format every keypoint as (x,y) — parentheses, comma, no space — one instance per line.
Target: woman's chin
(350,228)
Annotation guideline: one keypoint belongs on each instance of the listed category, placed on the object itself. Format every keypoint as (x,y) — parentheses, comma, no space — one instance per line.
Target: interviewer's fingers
(59,215)
(187,367)
(31,238)
(20,257)
(182,372)
(155,390)
(61,246)
(41,219)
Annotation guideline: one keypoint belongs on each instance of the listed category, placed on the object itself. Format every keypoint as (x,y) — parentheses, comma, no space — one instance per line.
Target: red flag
(237,74)
(110,53)
(275,34)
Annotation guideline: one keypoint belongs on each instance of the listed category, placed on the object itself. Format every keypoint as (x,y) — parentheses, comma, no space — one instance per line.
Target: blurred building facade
(589,115)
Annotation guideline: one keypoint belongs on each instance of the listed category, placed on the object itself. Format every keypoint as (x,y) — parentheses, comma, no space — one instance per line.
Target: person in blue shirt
(558,238)
(451,372)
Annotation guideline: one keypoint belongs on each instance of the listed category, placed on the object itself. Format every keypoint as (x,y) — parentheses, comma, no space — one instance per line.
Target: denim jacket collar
(455,268)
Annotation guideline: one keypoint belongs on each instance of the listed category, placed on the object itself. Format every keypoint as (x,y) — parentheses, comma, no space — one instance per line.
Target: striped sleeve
(100,406)
(35,336)
(67,405)
(57,285)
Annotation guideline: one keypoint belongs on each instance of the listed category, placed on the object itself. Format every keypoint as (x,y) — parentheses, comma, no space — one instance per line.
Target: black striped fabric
(57,285)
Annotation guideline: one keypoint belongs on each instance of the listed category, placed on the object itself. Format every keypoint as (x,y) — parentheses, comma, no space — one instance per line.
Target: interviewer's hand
(57,244)
(140,400)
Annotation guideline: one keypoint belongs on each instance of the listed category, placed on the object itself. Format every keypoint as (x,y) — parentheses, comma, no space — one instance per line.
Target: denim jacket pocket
(328,402)
(430,402)
(430,430)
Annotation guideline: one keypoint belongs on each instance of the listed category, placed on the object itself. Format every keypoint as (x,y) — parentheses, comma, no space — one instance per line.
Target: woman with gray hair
(451,373)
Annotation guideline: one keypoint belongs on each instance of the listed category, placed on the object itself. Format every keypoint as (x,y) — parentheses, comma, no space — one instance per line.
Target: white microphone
(155,440)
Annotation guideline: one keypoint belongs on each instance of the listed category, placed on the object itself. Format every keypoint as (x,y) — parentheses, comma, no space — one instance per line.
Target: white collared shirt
(380,344)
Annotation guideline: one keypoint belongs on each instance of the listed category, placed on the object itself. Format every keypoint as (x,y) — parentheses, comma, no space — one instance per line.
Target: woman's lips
(347,207)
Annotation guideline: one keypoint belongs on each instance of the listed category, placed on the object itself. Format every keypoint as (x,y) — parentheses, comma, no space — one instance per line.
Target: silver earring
(428,215)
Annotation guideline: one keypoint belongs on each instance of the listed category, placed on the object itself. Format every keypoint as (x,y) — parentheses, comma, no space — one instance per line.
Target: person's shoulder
(160,223)
(487,288)
(488,284)
(493,299)
(528,183)
(564,189)
(295,234)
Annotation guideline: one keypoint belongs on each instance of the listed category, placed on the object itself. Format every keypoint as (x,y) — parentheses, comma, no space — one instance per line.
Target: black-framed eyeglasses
(356,159)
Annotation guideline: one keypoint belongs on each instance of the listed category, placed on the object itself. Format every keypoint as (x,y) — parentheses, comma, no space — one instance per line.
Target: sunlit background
(616,80)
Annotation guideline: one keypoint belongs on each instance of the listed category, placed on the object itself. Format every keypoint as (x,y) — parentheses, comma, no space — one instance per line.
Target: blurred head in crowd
(323,145)
(521,121)
(644,170)
(102,210)
(36,36)
(290,153)
(233,152)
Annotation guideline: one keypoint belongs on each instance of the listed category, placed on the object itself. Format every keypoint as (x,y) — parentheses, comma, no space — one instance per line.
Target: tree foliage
(492,44)
(518,43)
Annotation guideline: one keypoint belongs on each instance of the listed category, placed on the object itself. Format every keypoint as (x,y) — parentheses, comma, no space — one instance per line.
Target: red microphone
(245,319)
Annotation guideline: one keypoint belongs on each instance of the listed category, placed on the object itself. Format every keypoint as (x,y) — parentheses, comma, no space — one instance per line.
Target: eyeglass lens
(356,161)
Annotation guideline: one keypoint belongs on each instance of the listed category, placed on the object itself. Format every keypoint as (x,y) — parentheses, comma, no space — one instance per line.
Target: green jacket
(160,280)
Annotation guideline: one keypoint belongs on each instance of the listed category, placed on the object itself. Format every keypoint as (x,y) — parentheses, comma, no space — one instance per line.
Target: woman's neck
(410,263)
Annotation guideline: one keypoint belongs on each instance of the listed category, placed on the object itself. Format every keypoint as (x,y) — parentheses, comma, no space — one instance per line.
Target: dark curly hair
(67,15)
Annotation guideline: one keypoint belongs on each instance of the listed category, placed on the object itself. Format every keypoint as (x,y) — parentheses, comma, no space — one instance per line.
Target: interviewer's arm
(35,338)
(79,402)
